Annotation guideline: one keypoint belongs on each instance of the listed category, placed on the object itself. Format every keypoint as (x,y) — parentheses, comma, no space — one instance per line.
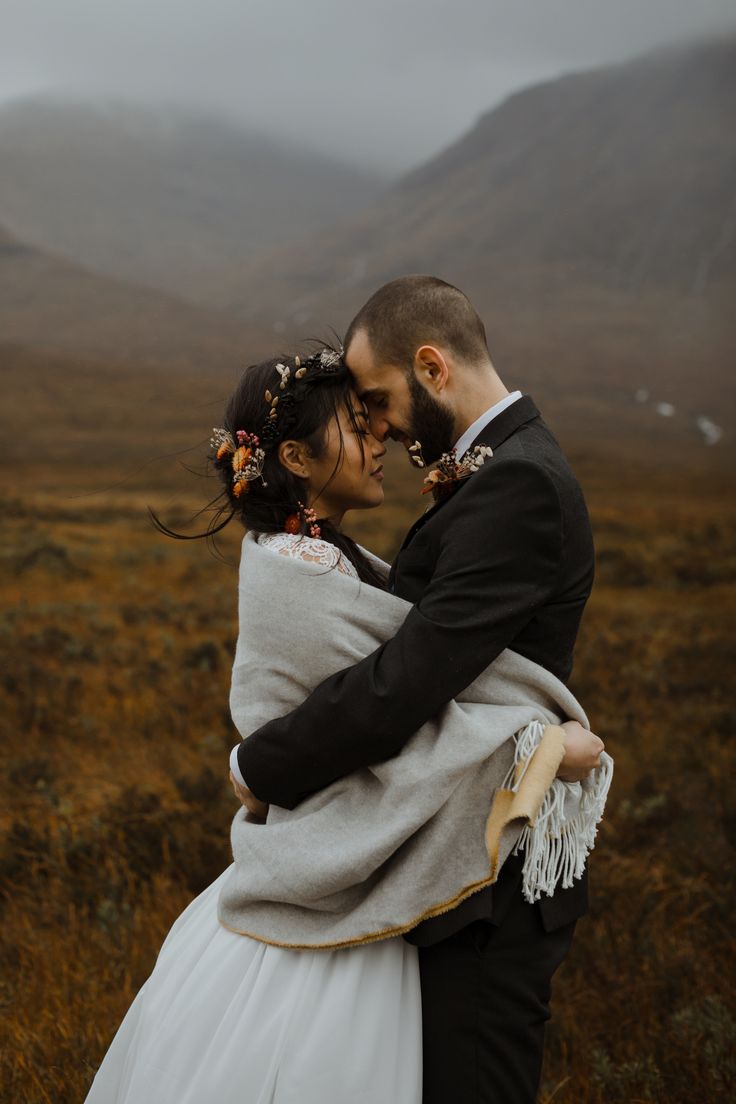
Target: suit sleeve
(498,562)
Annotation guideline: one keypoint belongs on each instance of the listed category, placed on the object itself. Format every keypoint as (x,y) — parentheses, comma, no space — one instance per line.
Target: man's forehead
(358,354)
(365,376)
(370,376)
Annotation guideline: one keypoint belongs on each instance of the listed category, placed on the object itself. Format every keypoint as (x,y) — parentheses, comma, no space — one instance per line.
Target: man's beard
(430,422)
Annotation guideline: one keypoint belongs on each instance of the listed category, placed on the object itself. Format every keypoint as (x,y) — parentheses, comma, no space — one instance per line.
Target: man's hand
(582,752)
(257,809)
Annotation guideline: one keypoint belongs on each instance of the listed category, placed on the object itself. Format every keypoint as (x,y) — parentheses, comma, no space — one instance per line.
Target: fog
(384,84)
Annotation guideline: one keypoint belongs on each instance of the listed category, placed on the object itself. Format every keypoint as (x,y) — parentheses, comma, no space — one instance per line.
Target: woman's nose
(379,448)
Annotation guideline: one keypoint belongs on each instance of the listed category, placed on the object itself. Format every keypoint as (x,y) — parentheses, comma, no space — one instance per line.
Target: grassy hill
(50,304)
(116,647)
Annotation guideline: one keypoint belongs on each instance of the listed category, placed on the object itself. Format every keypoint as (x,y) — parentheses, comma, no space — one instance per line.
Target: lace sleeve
(312,549)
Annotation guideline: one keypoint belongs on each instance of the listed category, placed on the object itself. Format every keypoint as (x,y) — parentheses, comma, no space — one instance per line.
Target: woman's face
(358,482)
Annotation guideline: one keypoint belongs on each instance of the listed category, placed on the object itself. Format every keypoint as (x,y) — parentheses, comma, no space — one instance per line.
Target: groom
(504,562)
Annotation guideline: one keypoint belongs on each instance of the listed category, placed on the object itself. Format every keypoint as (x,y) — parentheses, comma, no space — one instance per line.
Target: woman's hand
(582,752)
(258,809)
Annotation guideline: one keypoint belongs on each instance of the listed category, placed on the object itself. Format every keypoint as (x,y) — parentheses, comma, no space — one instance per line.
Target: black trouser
(485,1001)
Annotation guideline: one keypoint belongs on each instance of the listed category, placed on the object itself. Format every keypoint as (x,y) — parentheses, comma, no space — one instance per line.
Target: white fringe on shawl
(561,836)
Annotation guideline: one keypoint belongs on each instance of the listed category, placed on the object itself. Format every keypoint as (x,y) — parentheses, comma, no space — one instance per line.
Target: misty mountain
(53,306)
(592,220)
(622,178)
(161,197)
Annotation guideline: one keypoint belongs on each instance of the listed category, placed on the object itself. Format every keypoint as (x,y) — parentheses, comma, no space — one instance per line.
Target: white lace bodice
(313,549)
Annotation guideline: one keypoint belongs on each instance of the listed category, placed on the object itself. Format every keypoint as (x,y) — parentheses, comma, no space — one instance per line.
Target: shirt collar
(465,441)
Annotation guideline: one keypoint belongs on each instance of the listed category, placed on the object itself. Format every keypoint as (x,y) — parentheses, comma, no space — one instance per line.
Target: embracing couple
(420,790)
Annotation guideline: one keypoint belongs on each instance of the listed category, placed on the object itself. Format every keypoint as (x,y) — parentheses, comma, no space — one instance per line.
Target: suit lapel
(498,430)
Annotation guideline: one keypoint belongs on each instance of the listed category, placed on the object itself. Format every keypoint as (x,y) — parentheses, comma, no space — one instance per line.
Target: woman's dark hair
(318,398)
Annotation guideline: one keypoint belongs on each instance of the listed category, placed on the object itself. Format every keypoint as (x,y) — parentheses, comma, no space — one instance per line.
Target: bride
(248,1019)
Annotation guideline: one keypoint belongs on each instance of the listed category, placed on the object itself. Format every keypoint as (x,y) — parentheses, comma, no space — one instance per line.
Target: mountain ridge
(591,220)
(624,177)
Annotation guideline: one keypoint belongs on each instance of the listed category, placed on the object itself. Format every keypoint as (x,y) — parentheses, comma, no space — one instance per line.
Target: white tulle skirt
(224,1019)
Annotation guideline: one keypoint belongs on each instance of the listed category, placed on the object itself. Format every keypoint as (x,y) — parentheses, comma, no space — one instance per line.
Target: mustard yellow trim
(508,805)
(539,775)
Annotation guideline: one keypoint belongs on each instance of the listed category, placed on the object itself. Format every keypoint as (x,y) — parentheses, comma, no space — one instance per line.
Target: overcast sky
(385,82)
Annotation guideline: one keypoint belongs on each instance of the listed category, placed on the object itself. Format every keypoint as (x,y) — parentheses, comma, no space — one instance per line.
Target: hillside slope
(161,197)
(50,304)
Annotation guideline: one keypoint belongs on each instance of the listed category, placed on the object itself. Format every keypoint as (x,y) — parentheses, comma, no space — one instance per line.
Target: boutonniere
(450,471)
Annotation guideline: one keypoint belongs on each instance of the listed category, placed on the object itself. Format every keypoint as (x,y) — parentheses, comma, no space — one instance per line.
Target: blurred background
(186,187)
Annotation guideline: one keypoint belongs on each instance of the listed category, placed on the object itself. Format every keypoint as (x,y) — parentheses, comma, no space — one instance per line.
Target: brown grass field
(116,652)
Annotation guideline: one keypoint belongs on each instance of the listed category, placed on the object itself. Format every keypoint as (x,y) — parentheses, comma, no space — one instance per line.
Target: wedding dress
(225,1019)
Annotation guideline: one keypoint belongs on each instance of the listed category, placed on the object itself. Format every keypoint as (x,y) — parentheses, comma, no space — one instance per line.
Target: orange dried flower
(241,457)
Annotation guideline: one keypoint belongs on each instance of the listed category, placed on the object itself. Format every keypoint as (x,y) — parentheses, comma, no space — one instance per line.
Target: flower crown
(248,452)
(291,388)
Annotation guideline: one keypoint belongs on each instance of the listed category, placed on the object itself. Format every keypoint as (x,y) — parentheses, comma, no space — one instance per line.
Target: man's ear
(431,368)
(294,457)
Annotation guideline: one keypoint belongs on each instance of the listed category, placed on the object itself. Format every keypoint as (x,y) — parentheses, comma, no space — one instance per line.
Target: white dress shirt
(462,445)
(467,438)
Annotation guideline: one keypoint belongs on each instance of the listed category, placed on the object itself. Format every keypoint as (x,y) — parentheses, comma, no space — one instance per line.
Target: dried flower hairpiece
(293,523)
(247,456)
(284,396)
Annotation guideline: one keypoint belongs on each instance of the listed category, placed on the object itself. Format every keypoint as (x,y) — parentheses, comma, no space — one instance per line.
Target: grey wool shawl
(376,852)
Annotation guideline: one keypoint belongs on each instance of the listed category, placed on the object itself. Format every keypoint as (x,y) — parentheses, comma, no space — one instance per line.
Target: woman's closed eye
(361,424)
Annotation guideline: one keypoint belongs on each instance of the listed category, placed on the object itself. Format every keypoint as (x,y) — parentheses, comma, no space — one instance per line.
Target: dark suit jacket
(506,560)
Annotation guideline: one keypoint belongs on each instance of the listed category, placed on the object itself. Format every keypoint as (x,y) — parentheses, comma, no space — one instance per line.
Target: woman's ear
(294,457)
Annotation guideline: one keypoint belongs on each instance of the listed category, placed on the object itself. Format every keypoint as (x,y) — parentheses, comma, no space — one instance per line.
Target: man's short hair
(420,310)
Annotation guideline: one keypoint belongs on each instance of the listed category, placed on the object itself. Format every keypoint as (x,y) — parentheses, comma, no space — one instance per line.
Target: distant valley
(592,220)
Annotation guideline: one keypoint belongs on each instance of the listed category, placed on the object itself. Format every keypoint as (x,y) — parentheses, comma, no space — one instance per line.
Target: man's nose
(380,428)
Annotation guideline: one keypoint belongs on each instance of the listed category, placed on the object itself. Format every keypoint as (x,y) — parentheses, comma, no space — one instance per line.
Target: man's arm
(498,562)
